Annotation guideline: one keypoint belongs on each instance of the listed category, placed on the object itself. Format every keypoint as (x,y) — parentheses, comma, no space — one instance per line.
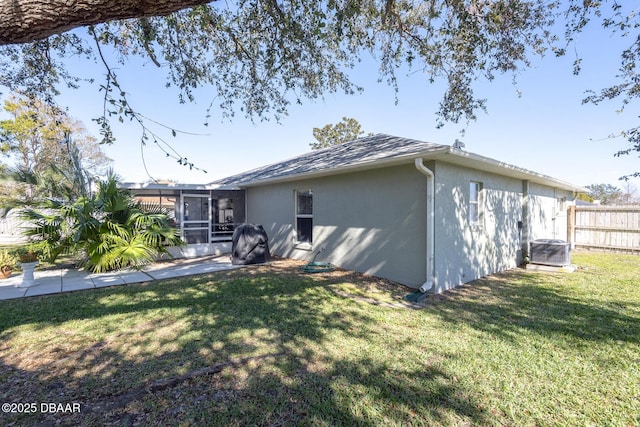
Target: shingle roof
(370,149)
(378,151)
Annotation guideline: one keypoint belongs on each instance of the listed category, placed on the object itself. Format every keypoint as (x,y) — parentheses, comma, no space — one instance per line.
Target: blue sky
(545,129)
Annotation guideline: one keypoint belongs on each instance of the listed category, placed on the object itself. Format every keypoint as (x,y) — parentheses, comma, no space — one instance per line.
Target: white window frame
(476,220)
(301,244)
(561,206)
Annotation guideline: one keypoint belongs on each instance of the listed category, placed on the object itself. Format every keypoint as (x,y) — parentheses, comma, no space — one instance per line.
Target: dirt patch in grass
(360,287)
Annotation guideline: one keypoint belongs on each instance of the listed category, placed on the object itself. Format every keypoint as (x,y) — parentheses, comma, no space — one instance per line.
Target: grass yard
(269,346)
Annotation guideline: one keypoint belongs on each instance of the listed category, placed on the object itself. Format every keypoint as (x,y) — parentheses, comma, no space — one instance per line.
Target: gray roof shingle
(362,151)
(377,151)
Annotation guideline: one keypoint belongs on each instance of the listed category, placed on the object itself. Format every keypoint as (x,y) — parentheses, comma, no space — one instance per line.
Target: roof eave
(446,154)
(491,165)
(173,186)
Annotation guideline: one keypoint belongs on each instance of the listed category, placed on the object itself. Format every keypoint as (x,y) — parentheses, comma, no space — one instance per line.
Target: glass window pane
(304,227)
(304,202)
(473,192)
(473,212)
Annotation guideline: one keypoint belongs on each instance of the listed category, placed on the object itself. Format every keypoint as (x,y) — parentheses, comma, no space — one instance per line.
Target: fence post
(571,225)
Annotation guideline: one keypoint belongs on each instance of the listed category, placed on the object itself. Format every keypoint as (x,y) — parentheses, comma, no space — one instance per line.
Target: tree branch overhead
(23,21)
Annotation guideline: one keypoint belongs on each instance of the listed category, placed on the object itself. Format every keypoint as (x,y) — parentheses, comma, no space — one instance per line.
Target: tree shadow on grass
(508,303)
(365,392)
(282,341)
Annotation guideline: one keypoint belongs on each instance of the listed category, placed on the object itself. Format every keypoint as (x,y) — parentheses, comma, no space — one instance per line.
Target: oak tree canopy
(258,56)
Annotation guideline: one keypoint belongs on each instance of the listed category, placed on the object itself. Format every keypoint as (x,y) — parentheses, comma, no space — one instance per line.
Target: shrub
(109,229)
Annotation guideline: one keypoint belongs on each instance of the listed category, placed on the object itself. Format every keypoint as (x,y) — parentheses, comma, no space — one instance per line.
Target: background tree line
(46,153)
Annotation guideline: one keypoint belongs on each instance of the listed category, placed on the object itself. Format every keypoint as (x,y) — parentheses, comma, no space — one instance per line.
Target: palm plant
(109,228)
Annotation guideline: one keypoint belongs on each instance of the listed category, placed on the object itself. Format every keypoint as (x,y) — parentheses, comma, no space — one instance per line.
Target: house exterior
(425,215)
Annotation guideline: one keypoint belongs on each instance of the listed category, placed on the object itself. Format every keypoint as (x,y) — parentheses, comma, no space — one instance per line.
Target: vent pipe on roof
(431,238)
(458,145)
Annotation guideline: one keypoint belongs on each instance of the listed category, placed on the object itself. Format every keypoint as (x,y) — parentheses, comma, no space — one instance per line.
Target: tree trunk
(23,21)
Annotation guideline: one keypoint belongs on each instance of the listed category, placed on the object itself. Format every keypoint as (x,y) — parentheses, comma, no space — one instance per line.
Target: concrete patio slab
(190,269)
(104,281)
(166,274)
(69,274)
(48,280)
(67,280)
(135,277)
(11,292)
(77,284)
(44,289)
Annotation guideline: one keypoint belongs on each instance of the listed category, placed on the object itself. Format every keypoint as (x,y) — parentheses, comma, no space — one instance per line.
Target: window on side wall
(304,216)
(561,206)
(475,203)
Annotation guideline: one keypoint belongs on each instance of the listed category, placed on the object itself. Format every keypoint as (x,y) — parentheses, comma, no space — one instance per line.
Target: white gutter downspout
(431,219)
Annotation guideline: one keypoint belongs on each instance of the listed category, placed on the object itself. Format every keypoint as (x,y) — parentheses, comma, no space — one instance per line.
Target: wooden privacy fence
(604,227)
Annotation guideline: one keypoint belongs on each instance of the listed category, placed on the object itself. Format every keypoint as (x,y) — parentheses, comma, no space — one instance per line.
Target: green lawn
(269,346)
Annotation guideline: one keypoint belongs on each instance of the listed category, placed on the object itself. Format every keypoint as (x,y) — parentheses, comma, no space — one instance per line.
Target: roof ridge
(330,147)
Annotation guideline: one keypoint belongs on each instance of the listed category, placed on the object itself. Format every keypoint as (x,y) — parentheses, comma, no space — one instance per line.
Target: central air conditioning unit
(551,252)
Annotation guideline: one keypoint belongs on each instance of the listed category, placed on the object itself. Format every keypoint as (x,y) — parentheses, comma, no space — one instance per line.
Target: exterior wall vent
(551,252)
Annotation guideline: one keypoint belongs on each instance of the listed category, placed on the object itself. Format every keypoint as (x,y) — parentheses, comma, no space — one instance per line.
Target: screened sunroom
(205,216)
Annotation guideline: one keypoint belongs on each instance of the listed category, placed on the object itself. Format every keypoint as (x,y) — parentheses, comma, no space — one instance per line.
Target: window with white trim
(561,206)
(304,216)
(475,203)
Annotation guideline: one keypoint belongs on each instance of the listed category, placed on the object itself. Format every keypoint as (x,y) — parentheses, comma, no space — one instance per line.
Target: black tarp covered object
(249,245)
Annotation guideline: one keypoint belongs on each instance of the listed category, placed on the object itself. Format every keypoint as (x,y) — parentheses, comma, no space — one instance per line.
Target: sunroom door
(196,218)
